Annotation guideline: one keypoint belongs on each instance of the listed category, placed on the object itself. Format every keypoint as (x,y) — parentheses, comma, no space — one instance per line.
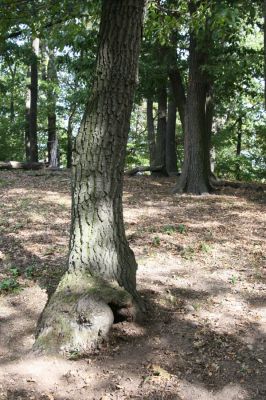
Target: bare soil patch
(201,271)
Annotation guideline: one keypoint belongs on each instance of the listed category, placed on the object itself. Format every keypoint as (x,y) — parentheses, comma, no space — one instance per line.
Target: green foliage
(156,241)
(181,228)
(9,285)
(169,229)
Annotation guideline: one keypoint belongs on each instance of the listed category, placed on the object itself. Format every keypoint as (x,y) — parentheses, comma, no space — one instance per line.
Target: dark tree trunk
(151,133)
(179,94)
(195,176)
(171,158)
(238,148)
(78,316)
(70,138)
(264,12)
(31,142)
(161,130)
(52,144)
(27,118)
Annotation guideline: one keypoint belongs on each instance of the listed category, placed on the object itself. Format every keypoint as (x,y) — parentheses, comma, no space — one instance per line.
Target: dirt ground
(201,272)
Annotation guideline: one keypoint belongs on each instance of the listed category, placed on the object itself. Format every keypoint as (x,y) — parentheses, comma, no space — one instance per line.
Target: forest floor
(200,271)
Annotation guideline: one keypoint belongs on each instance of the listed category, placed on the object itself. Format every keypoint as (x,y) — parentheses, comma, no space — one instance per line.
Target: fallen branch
(134,171)
(21,165)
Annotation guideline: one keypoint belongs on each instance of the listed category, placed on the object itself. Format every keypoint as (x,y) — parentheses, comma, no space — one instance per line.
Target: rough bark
(52,143)
(171,158)
(31,142)
(151,133)
(78,316)
(195,176)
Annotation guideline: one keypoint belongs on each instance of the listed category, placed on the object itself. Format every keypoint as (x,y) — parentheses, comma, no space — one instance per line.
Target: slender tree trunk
(238,148)
(161,131)
(151,133)
(69,137)
(52,144)
(171,158)
(264,12)
(209,112)
(78,316)
(31,107)
(27,118)
(179,94)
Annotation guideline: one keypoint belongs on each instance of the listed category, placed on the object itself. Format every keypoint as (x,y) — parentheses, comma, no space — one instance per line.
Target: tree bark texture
(78,316)
(52,144)
(151,133)
(31,141)
(171,158)
(195,176)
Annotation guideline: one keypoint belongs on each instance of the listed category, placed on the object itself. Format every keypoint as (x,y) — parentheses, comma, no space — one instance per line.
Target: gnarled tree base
(79,315)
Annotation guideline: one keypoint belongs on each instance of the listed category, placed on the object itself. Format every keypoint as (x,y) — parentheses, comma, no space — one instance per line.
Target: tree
(31,106)
(77,315)
(52,143)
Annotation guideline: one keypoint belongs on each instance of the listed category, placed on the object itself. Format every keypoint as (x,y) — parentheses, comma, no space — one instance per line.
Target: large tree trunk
(31,142)
(151,133)
(78,315)
(171,158)
(195,176)
(52,144)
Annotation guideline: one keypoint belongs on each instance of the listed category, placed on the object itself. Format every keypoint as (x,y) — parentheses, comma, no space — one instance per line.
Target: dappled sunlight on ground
(201,272)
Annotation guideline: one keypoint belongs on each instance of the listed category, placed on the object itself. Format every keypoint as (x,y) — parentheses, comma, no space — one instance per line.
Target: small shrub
(181,228)
(156,241)
(205,247)
(8,285)
(169,229)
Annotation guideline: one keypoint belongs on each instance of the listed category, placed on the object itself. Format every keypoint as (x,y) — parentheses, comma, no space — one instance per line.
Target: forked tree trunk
(78,316)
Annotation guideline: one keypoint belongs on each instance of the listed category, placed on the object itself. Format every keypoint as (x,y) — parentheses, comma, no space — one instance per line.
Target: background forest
(47,60)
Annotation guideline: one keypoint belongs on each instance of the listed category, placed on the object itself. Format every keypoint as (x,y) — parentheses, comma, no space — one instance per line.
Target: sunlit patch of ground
(201,271)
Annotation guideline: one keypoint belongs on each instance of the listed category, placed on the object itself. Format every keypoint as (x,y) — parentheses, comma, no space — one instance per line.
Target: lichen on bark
(78,316)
